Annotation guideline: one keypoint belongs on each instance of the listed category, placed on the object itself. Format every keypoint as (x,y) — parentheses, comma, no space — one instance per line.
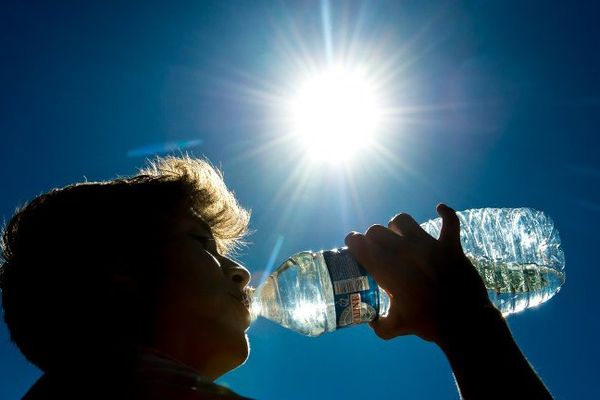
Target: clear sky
(489,103)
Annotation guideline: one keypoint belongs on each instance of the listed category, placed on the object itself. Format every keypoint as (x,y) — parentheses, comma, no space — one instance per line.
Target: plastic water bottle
(515,250)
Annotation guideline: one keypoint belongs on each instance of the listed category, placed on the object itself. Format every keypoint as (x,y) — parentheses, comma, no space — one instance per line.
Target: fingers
(386,239)
(383,254)
(361,248)
(405,225)
(450,232)
(380,234)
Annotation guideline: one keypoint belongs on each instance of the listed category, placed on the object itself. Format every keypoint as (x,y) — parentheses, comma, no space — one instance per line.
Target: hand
(434,289)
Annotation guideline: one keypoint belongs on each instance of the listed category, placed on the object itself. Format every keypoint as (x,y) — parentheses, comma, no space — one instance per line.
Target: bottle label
(356,293)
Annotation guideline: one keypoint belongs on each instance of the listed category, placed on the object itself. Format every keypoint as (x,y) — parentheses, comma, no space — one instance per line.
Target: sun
(335,114)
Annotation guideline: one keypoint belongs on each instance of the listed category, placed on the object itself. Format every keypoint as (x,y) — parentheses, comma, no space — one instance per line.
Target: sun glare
(335,114)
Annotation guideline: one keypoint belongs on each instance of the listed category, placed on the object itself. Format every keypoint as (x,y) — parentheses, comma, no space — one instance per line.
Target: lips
(242,301)
(244,297)
(245,300)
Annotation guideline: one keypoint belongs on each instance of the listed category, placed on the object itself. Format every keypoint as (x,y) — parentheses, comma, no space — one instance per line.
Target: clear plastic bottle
(516,251)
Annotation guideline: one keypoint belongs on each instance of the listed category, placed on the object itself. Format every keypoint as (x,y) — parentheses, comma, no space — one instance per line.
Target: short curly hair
(62,248)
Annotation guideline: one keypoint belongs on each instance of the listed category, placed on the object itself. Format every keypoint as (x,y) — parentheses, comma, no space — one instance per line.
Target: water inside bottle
(516,252)
(306,308)
(514,287)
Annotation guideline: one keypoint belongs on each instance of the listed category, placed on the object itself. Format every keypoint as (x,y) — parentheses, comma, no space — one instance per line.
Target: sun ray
(301,53)
(272,259)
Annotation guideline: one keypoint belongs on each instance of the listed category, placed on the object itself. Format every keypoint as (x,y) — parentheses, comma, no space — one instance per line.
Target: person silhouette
(127,289)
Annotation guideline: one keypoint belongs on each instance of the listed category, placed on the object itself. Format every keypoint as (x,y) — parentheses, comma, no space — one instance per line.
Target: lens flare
(335,114)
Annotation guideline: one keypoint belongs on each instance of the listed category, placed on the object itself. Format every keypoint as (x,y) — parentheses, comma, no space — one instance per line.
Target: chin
(243,351)
(234,356)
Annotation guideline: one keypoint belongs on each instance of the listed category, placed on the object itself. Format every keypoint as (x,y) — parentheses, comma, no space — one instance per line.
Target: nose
(238,273)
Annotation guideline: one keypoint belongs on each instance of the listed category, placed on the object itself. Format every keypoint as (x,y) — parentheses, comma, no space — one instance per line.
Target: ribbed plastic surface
(516,251)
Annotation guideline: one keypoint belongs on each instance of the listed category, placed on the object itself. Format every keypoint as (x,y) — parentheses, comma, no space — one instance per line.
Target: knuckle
(352,238)
(375,231)
(400,219)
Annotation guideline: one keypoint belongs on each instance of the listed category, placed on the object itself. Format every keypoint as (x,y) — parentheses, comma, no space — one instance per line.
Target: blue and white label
(356,294)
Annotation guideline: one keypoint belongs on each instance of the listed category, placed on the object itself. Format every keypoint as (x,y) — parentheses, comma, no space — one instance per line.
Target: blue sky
(495,104)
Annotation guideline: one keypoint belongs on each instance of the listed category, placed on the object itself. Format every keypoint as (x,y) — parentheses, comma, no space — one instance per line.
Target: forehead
(189,220)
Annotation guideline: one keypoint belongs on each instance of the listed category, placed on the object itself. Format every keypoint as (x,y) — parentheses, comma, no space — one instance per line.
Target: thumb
(450,232)
(389,327)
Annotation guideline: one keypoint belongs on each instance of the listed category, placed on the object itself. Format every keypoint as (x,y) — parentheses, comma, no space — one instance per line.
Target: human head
(83,265)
